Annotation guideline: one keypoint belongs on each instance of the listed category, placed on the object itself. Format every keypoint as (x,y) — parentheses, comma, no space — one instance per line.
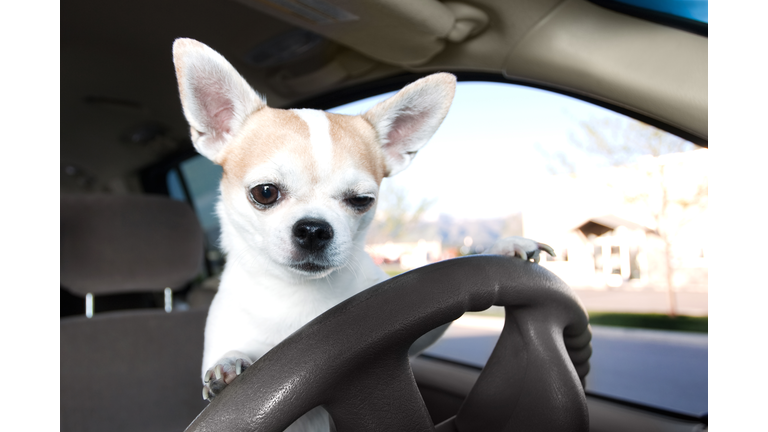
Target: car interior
(138,268)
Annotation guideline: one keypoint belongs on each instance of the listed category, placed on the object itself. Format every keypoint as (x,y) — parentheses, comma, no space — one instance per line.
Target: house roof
(602,224)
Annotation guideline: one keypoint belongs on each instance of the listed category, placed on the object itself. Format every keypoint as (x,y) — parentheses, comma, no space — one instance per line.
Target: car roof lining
(562,45)
(640,68)
(357,92)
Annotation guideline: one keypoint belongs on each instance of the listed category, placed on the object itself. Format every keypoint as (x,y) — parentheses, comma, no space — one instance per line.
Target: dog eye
(265,194)
(360,202)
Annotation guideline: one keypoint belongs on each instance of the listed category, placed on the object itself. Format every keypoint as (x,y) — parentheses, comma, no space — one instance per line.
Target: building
(629,227)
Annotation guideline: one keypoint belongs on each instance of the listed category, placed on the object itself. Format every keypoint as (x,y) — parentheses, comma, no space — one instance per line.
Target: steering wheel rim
(532,381)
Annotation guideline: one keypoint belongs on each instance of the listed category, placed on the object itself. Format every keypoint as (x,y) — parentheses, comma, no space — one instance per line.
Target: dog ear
(215,98)
(407,120)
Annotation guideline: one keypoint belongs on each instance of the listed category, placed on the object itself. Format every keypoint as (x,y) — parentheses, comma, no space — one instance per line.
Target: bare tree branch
(622,142)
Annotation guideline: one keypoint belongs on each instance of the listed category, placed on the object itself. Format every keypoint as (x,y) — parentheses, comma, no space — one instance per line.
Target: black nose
(312,234)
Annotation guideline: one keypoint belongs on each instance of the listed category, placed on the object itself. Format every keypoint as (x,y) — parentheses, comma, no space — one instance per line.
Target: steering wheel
(353,359)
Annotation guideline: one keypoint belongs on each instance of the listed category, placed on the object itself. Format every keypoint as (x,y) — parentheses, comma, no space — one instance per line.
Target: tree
(395,215)
(647,154)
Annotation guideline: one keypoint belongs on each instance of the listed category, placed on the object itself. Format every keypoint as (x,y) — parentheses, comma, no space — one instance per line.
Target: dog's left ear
(407,120)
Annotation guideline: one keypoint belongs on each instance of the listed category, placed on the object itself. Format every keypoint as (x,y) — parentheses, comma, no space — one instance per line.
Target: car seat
(130,370)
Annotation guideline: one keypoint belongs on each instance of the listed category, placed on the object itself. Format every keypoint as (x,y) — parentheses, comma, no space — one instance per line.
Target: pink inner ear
(217,108)
(405,125)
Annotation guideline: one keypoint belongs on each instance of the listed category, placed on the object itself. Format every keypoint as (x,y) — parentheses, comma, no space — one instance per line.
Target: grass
(633,320)
(684,323)
(651,321)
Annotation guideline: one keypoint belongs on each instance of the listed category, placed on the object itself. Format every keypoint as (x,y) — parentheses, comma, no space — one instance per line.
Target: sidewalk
(688,303)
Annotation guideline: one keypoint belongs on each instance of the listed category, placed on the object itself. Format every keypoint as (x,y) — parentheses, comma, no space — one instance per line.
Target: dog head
(300,186)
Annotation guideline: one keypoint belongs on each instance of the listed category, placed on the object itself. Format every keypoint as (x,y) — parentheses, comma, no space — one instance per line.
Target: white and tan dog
(298,191)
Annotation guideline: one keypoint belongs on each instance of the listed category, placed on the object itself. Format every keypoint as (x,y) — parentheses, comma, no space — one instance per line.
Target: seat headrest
(127,243)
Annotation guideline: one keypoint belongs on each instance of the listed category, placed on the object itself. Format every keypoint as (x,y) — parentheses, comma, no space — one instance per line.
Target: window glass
(623,204)
(697,10)
(175,188)
(201,178)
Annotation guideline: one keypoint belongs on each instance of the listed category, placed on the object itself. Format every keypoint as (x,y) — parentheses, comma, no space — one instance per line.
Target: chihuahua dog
(298,192)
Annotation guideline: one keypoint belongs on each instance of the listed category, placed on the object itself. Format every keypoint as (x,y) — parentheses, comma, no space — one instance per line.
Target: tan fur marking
(264,133)
(354,140)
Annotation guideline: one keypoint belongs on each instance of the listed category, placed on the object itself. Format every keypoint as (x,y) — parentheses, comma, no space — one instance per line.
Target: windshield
(688,15)
(623,204)
(697,10)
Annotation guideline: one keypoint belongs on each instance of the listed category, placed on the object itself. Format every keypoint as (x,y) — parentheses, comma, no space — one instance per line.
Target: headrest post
(168,299)
(89,305)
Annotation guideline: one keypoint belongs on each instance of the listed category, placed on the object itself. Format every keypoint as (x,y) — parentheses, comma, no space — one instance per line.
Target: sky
(483,162)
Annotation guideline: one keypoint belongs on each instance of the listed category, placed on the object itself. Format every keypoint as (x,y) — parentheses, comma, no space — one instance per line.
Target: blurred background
(623,204)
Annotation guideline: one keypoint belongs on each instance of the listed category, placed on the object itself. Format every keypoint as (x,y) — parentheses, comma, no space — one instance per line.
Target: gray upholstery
(115,244)
(131,371)
(135,370)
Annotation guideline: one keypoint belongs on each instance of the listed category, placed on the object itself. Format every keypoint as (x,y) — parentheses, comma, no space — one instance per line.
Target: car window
(688,15)
(623,204)
(697,10)
(197,180)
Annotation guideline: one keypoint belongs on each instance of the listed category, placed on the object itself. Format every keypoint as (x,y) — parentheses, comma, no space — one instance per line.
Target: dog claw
(519,251)
(548,249)
(221,374)
(525,249)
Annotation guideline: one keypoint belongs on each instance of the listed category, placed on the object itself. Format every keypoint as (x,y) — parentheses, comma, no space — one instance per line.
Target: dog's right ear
(215,98)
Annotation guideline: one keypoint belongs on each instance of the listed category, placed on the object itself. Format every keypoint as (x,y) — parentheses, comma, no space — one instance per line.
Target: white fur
(260,301)
(263,297)
(319,136)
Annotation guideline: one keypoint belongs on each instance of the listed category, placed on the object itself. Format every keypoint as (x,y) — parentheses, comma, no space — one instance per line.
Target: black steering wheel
(353,359)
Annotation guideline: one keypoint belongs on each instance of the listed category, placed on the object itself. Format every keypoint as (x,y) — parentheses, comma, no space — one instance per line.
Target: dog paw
(524,248)
(222,374)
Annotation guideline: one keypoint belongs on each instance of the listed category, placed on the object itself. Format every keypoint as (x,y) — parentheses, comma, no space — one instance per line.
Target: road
(688,303)
(657,368)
